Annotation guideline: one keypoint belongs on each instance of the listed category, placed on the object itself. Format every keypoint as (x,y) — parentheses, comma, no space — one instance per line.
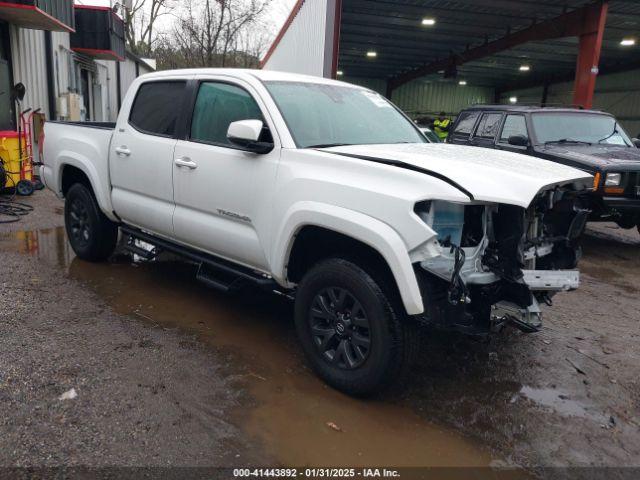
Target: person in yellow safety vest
(441,126)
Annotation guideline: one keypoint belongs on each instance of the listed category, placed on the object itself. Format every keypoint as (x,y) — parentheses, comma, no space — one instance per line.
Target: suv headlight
(612,179)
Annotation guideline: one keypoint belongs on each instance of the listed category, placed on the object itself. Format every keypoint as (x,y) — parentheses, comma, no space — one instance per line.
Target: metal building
(71,59)
(433,55)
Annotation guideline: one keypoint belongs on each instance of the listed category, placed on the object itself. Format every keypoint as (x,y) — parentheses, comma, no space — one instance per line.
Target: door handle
(123,151)
(186,162)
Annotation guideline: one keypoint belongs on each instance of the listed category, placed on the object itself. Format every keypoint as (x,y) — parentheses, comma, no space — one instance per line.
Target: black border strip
(407,166)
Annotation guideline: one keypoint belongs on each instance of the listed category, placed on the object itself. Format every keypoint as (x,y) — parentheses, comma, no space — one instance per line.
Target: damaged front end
(493,264)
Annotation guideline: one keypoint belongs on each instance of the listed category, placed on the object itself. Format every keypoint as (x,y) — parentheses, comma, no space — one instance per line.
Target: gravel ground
(145,396)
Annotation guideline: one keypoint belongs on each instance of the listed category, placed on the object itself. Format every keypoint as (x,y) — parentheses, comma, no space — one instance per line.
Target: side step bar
(213,271)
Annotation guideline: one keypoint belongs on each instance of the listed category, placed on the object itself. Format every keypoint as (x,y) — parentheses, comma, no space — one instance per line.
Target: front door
(223,194)
(486,131)
(514,124)
(141,156)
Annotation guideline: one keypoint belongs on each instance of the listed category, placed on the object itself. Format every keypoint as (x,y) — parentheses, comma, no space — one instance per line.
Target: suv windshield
(328,115)
(589,128)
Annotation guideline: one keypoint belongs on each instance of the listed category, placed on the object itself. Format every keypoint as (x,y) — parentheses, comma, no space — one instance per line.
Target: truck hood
(600,156)
(486,175)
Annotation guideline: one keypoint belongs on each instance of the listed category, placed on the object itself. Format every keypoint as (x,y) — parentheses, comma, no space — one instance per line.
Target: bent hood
(486,175)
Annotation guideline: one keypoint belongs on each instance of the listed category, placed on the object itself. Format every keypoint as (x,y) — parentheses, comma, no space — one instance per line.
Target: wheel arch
(73,170)
(306,219)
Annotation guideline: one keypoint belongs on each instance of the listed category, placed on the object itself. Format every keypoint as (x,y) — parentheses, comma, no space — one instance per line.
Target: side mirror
(636,142)
(246,134)
(518,140)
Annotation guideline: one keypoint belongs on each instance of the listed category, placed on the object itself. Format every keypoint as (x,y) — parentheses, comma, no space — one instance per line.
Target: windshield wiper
(328,145)
(567,140)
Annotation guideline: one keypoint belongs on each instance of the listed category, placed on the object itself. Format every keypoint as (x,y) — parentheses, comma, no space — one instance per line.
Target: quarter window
(217,106)
(466,122)
(155,108)
(513,125)
(488,126)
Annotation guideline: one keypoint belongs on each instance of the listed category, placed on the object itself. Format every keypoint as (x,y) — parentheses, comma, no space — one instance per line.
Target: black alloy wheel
(340,328)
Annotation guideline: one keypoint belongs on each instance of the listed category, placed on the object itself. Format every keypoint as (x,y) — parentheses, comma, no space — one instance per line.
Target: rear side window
(513,125)
(156,108)
(466,122)
(217,106)
(488,126)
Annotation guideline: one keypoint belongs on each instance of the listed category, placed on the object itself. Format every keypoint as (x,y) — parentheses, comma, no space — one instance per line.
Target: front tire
(349,330)
(91,234)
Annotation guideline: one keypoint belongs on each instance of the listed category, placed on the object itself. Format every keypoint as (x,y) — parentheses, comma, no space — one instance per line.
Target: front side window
(513,125)
(466,122)
(578,127)
(488,126)
(327,115)
(156,107)
(217,106)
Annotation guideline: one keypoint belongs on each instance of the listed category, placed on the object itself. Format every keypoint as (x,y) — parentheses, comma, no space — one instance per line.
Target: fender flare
(68,158)
(368,230)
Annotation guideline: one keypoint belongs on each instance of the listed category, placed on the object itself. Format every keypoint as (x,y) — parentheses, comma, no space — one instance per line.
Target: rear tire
(350,332)
(91,234)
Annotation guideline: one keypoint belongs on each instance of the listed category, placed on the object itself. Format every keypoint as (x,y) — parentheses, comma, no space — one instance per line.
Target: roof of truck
(532,109)
(263,75)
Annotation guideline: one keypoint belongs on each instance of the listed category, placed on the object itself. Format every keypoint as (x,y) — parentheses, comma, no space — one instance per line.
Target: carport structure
(505,45)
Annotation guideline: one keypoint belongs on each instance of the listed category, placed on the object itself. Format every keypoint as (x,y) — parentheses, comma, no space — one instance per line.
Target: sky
(278,11)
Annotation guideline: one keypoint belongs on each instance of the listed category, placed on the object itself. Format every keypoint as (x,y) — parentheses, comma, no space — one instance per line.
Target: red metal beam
(569,24)
(589,55)
(294,11)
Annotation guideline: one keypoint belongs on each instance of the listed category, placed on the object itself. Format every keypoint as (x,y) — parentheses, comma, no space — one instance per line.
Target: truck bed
(84,145)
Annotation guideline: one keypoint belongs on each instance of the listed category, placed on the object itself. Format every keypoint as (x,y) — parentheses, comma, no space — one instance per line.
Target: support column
(589,55)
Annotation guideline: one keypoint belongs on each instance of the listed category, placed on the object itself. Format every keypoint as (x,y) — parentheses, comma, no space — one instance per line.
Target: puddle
(292,407)
(560,403)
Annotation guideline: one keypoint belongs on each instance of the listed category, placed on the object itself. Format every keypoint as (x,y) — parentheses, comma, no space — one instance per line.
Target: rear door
(223,193)
(465,123)
(141,156)
(487,129)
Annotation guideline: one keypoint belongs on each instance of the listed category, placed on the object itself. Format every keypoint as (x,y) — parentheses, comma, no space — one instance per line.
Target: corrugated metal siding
(302,48)
(29,66)
(616,93)
(377,84)
(422,97)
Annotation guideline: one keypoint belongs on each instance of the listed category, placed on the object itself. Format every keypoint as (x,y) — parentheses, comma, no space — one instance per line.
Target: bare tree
(214,33)
(140,21)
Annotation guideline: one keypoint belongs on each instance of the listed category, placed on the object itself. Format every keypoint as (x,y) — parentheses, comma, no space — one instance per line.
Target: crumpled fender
(358,226)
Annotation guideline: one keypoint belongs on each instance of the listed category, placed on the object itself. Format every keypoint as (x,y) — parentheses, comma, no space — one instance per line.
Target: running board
(214,271)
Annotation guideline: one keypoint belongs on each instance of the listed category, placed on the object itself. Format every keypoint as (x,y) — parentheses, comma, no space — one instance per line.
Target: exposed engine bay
(496,263)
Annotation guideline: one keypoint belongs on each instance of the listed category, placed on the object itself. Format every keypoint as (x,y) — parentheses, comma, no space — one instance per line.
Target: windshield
(328,115)
(578,127)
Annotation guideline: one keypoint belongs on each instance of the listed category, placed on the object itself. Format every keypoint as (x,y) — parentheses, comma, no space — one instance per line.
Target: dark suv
(586,139)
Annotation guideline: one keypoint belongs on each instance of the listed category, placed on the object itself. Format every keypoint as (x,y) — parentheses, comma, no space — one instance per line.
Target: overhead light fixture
(428,21)
(628,42)
(372,54)
(339,73)
(462,82)
(525,68)
(513,99)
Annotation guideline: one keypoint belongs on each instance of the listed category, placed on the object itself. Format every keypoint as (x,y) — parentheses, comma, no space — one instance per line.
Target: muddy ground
(168,372)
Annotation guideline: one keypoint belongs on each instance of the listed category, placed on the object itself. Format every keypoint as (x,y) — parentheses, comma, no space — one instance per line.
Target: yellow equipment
(16,168)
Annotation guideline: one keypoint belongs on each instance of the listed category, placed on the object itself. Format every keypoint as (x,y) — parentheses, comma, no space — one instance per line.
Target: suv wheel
(349,331)
(91,234)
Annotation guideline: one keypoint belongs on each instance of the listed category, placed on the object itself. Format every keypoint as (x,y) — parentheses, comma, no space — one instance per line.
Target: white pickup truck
(328,193)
